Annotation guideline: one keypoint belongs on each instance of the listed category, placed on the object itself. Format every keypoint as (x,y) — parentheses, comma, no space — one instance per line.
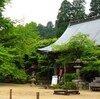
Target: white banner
(54,80)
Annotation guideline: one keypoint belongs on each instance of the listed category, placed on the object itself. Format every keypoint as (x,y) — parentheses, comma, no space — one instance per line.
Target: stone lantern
(77,66)
(33,69)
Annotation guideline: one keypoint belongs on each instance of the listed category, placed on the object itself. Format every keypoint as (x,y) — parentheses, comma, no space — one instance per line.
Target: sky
(39,11)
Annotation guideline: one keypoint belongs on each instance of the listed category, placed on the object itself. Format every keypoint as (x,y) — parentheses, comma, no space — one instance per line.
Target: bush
(20,76)
(57,86)
(69,77)
(69,86)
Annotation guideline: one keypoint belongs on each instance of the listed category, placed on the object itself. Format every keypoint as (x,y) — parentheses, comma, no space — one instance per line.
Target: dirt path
(28,92)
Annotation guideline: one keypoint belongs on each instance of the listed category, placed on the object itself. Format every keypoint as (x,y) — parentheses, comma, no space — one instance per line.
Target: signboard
(54,80)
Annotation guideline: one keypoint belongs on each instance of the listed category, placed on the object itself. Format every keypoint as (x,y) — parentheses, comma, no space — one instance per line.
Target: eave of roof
(89,26)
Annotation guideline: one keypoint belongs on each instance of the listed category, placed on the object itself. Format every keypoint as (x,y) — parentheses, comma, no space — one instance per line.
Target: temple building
(89,26)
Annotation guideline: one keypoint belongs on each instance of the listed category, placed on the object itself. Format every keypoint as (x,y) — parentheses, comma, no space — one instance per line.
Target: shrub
(69,85)
(57,86)
(69,77)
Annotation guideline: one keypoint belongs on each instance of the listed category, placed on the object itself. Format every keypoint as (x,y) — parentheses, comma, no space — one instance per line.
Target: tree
(7,53)
(78,46)
(78,10)
(17,42)
(6,27)
(47,31)
(42,29)
(69,12)
(26,37)
(50,30)
(94,8)
(63,18)
(8,70)
(26,44)
(18,48)
(44,61)
(2,5)
(4,22)
(91,67)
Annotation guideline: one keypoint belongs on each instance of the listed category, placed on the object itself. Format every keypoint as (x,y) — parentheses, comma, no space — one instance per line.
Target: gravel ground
(25,91)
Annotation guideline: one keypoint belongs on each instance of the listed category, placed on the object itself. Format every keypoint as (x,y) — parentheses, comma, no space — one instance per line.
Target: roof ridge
(85,20)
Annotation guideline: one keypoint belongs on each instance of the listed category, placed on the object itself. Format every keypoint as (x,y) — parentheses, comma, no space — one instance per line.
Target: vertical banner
(60,72)
(54,80)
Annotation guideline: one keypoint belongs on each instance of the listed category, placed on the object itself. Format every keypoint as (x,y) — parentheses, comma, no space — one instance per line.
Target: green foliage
(63,60)
(57,86)
(63,17)
(45,42)
(50,30)
(42,30)
(69,86)
(5,27)
(47,31)
(69,12)
(44,62)
(8,68)
(5,55)
(69,77)
(91,67)
(12,74)
(78,46)
(45,68)
(16,42)
(5,23)
(90,70)
(94,8)
(2,5)
(78,9)
(20,76)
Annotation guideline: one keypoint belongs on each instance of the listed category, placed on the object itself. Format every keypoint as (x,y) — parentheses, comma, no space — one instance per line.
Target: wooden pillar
(55,68)
(10,93)
(37,95)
